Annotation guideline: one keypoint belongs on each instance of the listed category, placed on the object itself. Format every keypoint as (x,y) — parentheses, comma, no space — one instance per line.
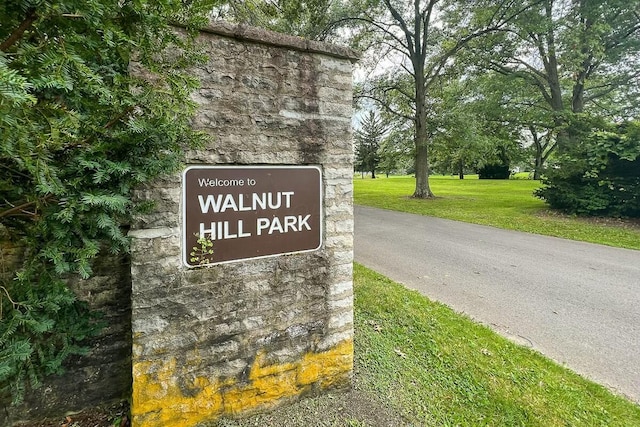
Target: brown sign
(232,213)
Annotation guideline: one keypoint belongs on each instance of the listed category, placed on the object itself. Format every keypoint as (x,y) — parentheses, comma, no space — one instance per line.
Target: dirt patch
(628,223)
(103,416)
(353,408)
(356,408)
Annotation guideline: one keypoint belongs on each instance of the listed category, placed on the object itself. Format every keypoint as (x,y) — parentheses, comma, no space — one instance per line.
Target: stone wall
(240,337)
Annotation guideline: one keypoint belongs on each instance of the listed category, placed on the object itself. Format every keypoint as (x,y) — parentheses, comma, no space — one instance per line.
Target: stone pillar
(244,336)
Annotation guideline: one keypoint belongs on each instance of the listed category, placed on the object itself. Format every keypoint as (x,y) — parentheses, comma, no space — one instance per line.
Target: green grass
(439,368)
(506,204)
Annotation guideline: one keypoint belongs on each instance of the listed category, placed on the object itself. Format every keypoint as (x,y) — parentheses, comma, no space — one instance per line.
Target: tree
(461,141)
(507,105)
(395,151)
(368,139)
(543,144)
(413,32)
(78,133)
(575,55)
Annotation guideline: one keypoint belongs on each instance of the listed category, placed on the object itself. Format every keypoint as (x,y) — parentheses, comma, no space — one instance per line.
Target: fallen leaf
(401,354)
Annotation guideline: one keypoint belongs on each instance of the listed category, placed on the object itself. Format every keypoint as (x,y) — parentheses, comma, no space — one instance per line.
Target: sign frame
(268,169)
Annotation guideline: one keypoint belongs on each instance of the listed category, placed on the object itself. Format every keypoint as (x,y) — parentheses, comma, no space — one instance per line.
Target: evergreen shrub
(599,174)
(494,171)
(78,132)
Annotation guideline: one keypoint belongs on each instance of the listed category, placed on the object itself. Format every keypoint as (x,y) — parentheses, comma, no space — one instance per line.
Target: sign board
(244,212)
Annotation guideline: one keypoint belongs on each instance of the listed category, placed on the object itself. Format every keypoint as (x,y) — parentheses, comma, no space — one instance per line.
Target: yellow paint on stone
(159,400)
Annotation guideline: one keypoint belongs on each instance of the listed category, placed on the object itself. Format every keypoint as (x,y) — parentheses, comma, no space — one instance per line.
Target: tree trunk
(460,169)
(537,170)
(539,158)
(373,174)
(423,191)
(577,101)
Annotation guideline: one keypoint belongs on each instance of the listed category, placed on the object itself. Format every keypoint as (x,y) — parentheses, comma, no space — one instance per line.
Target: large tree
(78,132)
(575,55)
(421,38)
(599,175)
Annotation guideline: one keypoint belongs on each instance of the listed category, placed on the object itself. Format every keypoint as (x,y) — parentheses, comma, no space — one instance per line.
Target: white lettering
(287,195)
(229,203)
(272,203)
(290,222)
(259,199)
(236,202)
(222,230)
(211,202)
(287,224)
(211,231)
(227,234)
(276,225)
(216,182)
(262,224)
(240,230)
(241,206)
(303,222)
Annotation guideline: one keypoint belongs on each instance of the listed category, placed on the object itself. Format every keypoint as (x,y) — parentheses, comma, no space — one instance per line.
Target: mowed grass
(508,204)
(438,368)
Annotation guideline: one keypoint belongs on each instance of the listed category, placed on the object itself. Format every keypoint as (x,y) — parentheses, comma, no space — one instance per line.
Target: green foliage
(396,152)
(203,253)
(599,174)
(78,133)
(553,60)
(42,324)
(312,19)
(494,171)
(368,139)
(469,135)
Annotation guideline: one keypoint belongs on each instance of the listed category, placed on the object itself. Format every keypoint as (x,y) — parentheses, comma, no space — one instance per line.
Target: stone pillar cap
(272,38)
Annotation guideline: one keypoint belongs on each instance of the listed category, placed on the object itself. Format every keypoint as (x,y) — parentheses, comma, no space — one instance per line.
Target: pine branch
(110,124)
(18,32)
(23,206)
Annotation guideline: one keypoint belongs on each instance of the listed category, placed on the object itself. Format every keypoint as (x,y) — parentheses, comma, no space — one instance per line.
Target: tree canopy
(423,38)
(312,19)
(559,58)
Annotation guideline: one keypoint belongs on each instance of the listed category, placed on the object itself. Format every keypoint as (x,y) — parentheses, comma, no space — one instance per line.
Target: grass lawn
(506,204)
(441,369)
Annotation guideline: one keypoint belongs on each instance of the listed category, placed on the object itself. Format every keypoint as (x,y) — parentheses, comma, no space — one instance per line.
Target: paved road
(575,302)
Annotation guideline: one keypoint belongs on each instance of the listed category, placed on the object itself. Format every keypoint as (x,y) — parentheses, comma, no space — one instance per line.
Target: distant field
(508,204)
